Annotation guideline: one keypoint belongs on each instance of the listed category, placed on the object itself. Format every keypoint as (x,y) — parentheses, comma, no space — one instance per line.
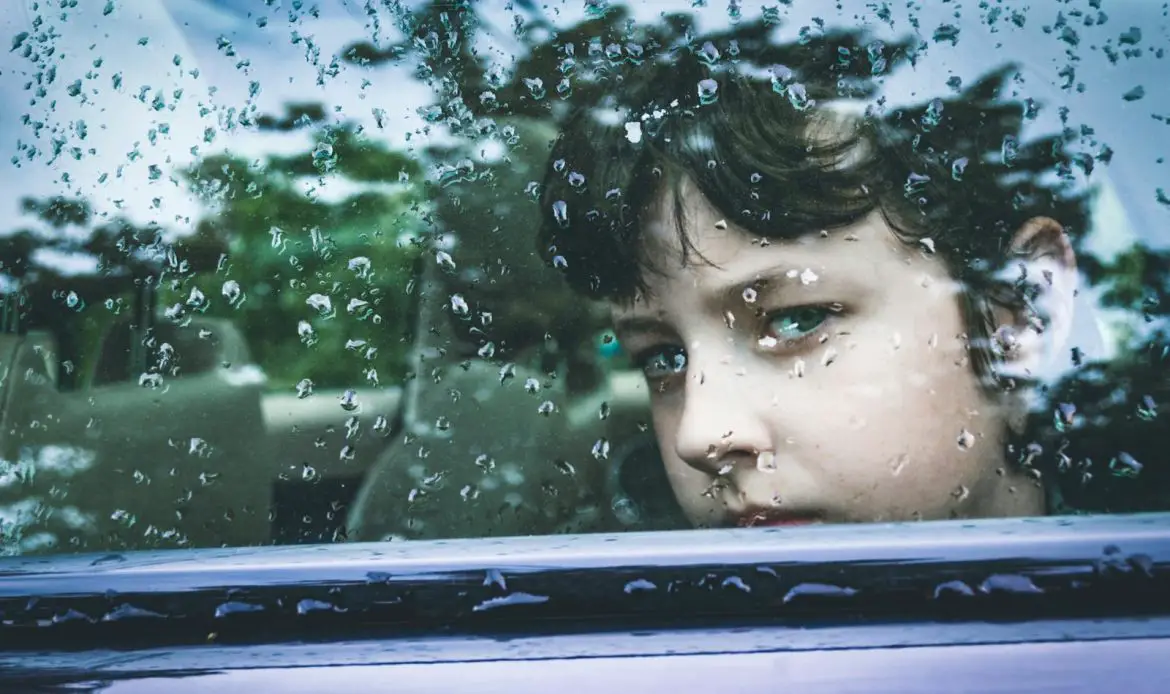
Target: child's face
(820,379)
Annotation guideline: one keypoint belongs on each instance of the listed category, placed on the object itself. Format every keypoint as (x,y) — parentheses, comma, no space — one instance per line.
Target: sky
(215,50)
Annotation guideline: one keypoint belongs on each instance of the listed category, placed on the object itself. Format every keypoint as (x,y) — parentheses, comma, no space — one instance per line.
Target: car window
(328,271)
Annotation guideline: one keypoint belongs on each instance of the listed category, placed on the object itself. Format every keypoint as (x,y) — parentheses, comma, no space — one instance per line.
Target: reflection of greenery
(285,245)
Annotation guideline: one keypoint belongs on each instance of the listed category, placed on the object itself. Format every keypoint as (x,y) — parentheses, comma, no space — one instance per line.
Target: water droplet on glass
(799,98)
(766,462)
(349,401)
(531,386)
(233,293)
(356,305)
(323,304)
(546,408)
(560,211)
(708,53)
(360,265)
(306,333)
(1010,150)
(958,168)
(708,91)
(535,87)
(932,116)
(198,447)
(1124,465)
(304,388)
(459,306)
(485,462)
(965,440)
(601,449)
(487,351)
(444,260)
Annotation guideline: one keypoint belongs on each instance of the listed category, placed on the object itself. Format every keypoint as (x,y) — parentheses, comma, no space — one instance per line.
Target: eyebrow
(634,324)
(771,279)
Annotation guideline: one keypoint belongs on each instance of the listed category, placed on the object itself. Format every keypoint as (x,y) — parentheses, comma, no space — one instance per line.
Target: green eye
(793,324)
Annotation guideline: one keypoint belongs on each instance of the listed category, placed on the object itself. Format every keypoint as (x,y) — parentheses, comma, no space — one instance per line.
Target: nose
(721,422)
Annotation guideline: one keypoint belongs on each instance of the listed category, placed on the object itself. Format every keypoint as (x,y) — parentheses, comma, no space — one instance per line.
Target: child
(839,317)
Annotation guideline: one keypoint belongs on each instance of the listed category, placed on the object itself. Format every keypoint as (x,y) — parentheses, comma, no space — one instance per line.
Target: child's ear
(1043,266)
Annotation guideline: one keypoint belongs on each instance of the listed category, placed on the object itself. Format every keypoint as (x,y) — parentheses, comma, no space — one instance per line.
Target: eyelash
(672,353)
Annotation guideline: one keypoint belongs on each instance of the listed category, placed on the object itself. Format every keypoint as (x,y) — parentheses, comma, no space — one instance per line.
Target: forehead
(723,253)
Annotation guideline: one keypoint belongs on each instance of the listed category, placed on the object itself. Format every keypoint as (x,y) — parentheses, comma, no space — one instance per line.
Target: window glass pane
(333,270)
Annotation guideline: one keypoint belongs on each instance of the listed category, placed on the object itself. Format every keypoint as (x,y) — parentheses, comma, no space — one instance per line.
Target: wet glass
(318,271)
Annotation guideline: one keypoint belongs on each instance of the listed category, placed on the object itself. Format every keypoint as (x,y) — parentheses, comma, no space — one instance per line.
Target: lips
(777,519)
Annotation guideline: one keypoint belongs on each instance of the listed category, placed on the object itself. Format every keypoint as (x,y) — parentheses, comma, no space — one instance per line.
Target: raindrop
(1135,94)
(531,386)
(766,462)
(304,388)
(507,372)
(348,400)
(198,447)
(323,304)
(1148,409)
(603,411)
(306,333)
(958,168)
(381,425)
(485,462)
(233,293)
(781,76)
(799,98)
(564,467)
(576,180)
(560,211)
(708,53)
(535,87)
(1009,150)
(749,295)
(356,305)
(708,91)
(487,351)
(324,159)
(1125,465)
(308,605)
(360,265)
(444,260)
(459,306)
(639,585)
(933,115)
(601,449)
(965,440)
(546,408)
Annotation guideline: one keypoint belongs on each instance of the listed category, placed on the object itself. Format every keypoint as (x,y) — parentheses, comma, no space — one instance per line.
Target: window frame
(918,586)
